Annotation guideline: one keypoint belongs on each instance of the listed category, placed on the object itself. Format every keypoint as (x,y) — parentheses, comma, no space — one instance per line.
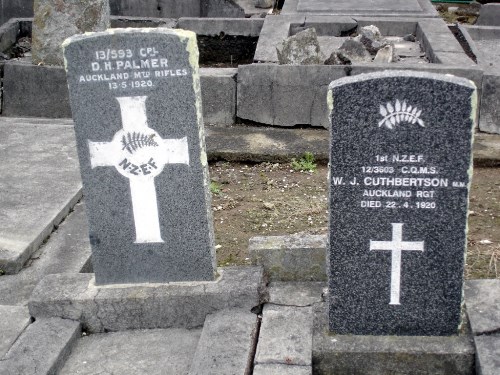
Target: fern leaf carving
(399,113)
(134,141)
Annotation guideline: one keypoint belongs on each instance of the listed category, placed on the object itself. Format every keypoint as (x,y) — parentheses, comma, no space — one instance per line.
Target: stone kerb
(264,92)
(384,8)
(483,42)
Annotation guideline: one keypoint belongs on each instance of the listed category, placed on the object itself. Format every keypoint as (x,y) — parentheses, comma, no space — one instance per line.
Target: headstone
(56,20)
(401,165)
(135,98)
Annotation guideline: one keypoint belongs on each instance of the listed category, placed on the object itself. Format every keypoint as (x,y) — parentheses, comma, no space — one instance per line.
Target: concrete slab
(66,251)
(381,355)
(285,336)
(280,369)
(482,299)
(226,344)
(299,257)
(33,201)
(489,15)
(144,306)
(299,294)
(140,352)
(42,348)
(488,355)
(392,8)
(14,320)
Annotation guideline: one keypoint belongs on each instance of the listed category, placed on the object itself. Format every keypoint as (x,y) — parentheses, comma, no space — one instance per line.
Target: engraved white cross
(397,245)
(139,154)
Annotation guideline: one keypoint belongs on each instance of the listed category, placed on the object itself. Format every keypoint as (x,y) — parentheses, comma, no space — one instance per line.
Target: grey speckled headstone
(399,183)
(135,98)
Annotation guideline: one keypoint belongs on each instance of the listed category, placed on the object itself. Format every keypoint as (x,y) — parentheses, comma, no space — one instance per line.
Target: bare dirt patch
(273,199)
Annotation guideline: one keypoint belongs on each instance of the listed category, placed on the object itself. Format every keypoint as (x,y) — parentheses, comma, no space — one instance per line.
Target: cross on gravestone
(139,154)
(400,158)
(396,246)
(136,103)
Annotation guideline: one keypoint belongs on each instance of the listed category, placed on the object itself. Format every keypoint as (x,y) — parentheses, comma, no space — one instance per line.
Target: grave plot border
(489,112)
(428,10)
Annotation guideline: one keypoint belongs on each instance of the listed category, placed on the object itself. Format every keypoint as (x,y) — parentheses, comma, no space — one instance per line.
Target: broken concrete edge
(12,262)
(42,348)
(299,257)
(146,306)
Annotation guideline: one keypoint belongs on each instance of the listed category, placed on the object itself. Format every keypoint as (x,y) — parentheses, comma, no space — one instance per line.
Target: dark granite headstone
(135,99)
(399,182)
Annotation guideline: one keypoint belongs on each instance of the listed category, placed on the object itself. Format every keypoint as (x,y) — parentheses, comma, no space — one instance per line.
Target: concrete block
(297,293)
(144,306)
(285,336)
(227,26)
(9,33)
(381,355)
(482,298)
(35,91)
(14,320)
(489,111)
(226,344)
(489,15)
(218,94)
(280,369)
(299,257)
(66,251)
(33,201)
(390,26)
(42,348)
(487,355)
(285,95)
(152,352)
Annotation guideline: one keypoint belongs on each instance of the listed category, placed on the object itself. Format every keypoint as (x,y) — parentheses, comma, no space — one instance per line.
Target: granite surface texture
(136,103)
(399,182)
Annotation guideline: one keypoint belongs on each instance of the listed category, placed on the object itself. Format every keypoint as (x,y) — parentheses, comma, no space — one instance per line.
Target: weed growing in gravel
(305,163)
(215,188)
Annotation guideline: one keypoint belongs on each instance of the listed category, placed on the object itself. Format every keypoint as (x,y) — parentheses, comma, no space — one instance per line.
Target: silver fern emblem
(134,141)
(398,113)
